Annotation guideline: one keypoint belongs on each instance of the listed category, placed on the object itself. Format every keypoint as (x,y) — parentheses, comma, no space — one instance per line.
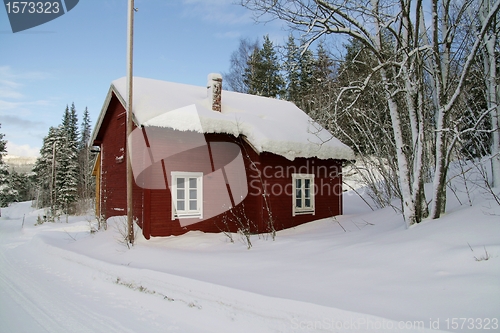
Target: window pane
(308,203)
(180,182)
(307,183)
(298,203)
(298,193)
(180,193)
(192,194)
(307,193)
(192,183)
(193,205)
(180,205)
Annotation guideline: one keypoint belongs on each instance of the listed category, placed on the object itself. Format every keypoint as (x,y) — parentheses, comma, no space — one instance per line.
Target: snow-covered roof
(269,125)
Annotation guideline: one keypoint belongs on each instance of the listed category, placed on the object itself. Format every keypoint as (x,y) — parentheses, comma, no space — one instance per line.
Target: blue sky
(75,57)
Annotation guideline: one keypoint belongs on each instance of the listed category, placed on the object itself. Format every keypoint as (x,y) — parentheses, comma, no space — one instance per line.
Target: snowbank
(360,272)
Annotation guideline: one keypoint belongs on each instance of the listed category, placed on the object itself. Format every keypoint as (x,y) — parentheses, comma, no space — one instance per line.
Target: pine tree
(366,112)
(272,81)
(323,70)
(67,176)
(319,82)
(262,75)
(70,124)
(235,79)
(251,76)
(46,169)
(306,65)
(85,157)
(85,132)
(8,193)
(68,171)
(292,70)
(3,146)
(59,170)
(22,183)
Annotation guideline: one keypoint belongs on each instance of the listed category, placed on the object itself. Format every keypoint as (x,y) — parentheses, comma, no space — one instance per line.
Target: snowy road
(37,297)
(44,290)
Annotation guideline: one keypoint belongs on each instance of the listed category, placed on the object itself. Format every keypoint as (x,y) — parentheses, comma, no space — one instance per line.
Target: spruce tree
(292,71)
(252,75)
(235,79)
(86,128)
(262,75)
(85,158)
(321,83)
(58,169)
(46,169)
(8,193)
(272,81)
(367,121)
(21,182)
(68,171)
(306,65)
(67,176)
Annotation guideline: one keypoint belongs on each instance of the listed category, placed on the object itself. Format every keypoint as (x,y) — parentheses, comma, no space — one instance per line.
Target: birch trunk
(492,89)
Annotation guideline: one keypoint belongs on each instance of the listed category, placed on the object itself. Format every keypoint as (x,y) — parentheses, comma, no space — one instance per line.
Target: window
(303,194)
(187,195)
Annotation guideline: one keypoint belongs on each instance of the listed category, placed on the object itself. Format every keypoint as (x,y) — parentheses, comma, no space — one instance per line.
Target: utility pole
(130,47)
(53,180)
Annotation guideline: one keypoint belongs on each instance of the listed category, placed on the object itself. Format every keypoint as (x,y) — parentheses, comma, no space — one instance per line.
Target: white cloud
(218,11)
(20,122)
(11,85)
(8,88)
(7,73)
(22,150)
(22,107)
(228,35)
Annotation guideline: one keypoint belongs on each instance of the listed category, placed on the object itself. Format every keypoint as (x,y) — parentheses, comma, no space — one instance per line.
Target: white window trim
(305,210)
(199,195)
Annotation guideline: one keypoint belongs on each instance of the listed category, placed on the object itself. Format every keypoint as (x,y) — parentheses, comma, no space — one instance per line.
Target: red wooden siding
(158,205)
(266,174)
(277,174)
(113,159)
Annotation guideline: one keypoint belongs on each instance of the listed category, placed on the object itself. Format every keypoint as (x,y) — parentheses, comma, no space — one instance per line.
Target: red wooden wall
(153,207)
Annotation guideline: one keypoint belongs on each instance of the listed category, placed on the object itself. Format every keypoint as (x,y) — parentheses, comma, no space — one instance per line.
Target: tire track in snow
(48,303)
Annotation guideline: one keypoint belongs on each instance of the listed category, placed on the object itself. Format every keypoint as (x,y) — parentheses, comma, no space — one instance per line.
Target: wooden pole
(130,46)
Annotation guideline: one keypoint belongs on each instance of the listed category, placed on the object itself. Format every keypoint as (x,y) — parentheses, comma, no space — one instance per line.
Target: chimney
(214,89)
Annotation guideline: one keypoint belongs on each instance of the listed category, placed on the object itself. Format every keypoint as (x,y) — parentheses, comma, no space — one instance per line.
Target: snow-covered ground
(362,272)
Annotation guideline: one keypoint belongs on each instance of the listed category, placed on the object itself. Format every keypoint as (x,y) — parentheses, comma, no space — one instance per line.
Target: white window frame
(187,213)
(312,207)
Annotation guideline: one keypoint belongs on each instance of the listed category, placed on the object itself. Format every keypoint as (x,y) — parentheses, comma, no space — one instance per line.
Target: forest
(414,89)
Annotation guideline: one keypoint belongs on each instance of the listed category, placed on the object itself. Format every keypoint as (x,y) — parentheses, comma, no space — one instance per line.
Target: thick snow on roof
(270,125)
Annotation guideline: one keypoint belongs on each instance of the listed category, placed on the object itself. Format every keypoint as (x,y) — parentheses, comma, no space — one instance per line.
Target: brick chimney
(214,89)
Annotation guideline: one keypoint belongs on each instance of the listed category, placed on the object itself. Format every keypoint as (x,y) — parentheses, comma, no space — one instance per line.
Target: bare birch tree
(490,55)
(422,63)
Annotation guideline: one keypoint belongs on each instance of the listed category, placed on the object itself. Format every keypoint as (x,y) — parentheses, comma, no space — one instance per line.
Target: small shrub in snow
(486,255)
(39,220)
(122,227)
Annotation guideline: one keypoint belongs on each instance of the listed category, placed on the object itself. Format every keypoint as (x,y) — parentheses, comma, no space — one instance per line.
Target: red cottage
(213,160)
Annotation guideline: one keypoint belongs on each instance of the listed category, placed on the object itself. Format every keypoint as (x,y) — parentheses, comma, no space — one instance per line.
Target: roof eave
(112,90)
(100,119)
